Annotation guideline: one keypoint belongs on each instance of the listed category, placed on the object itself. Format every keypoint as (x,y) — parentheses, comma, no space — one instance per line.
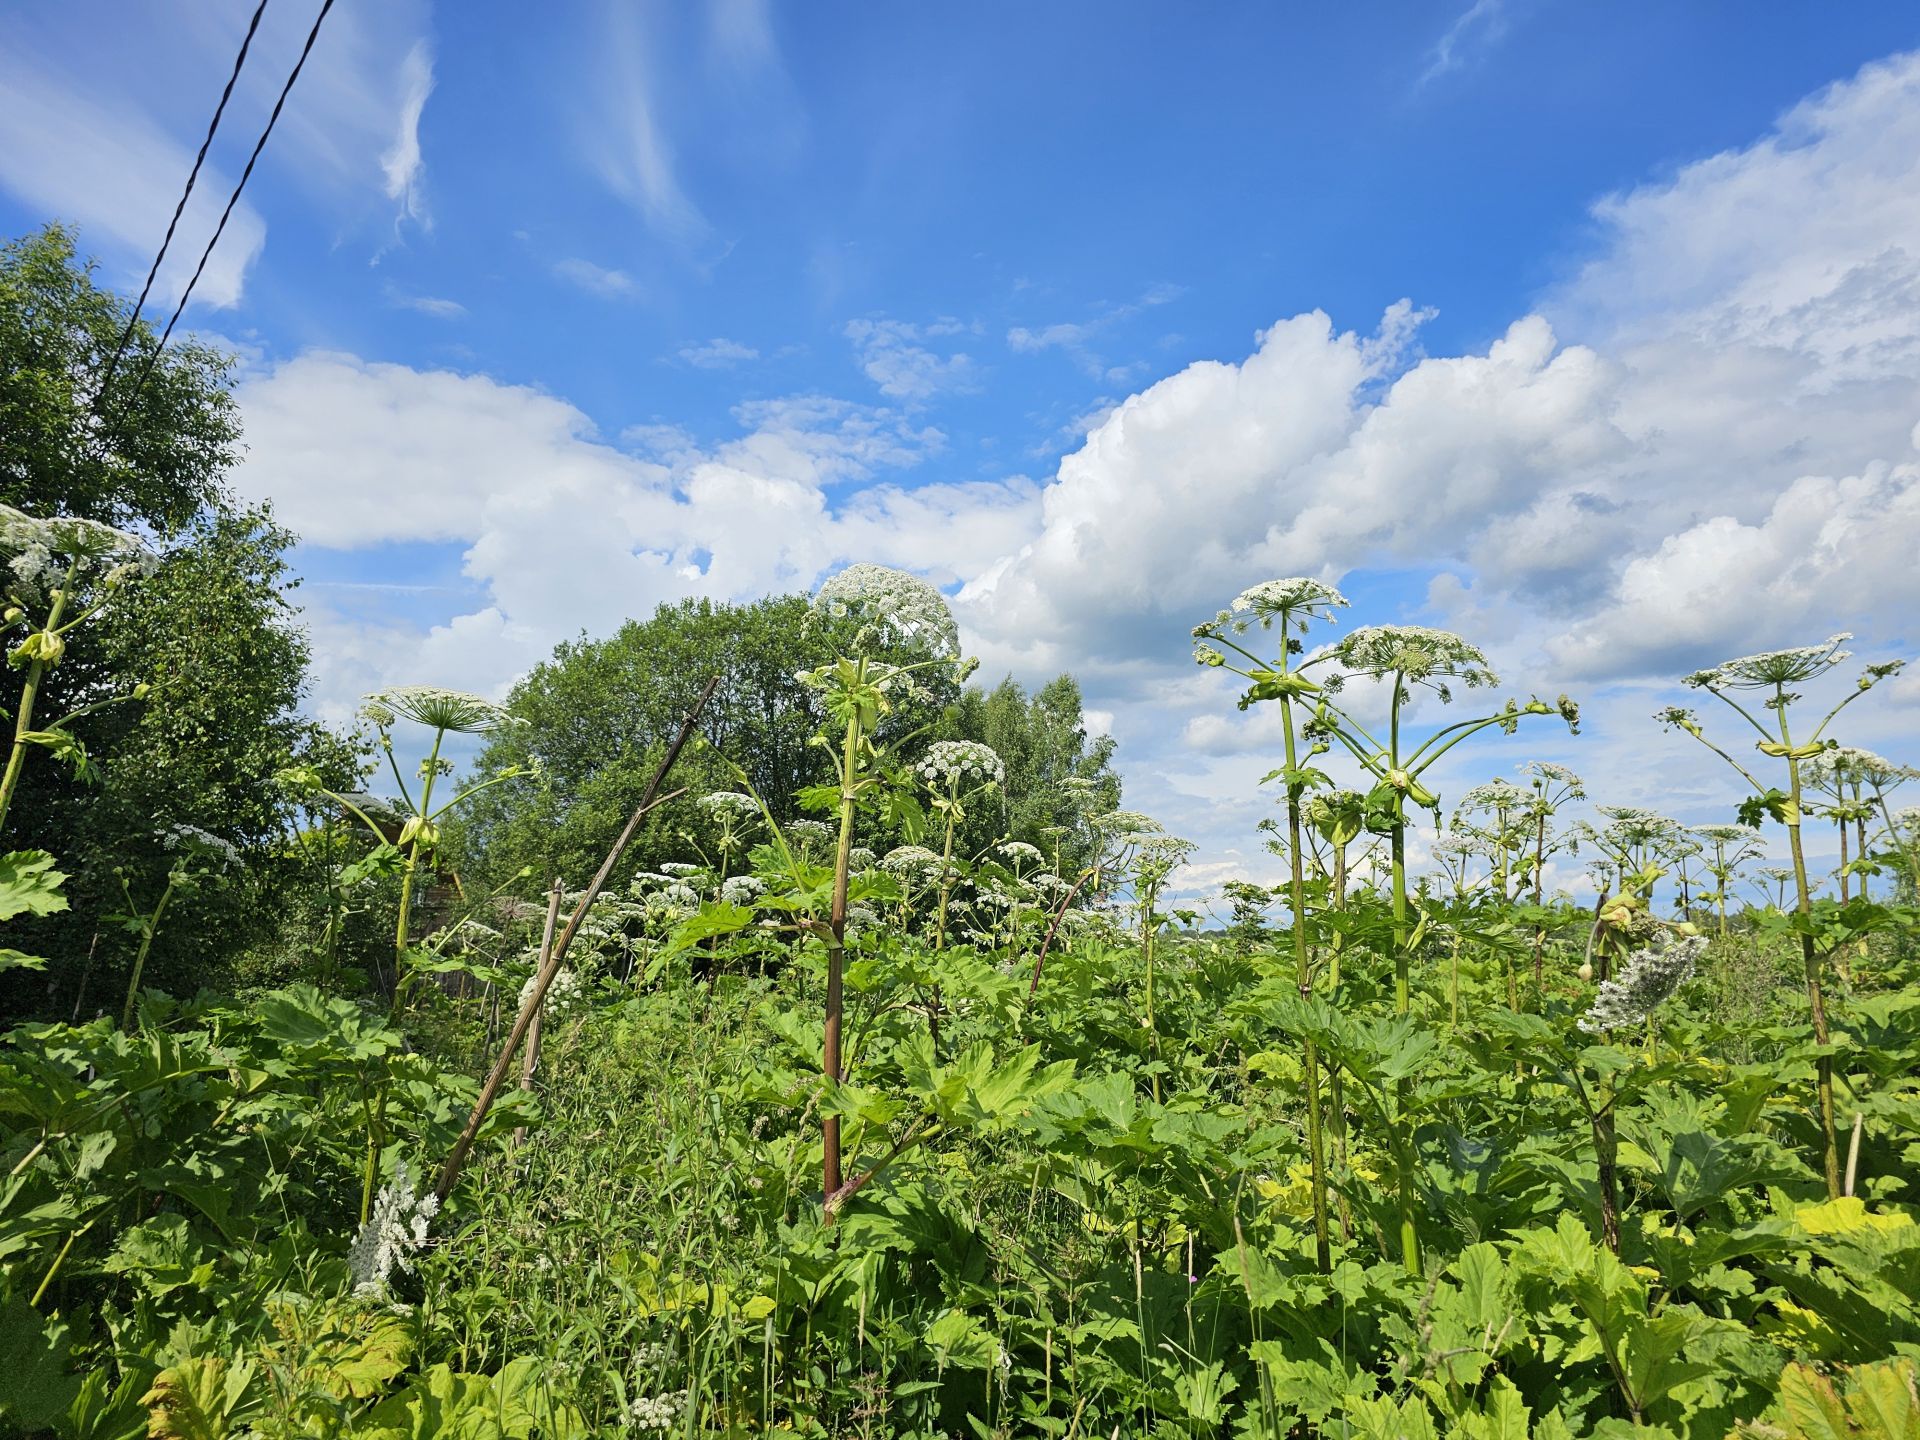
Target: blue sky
(1592,332)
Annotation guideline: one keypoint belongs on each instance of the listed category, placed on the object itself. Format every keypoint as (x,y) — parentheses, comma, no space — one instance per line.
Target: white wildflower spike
(395,1231)
(436,707)
(1417,653)
(1647,978)
(1772,667)
(902,607)
(962,763)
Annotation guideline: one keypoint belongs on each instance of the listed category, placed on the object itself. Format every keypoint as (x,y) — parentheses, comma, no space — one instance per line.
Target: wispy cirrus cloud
(402,164)
(598,280)
(1481,24)
(718,354)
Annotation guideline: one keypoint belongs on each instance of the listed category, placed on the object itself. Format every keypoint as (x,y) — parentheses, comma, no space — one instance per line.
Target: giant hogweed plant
(1291,605)
(1408,658)
(1771,676)
(414,844)
(895,611)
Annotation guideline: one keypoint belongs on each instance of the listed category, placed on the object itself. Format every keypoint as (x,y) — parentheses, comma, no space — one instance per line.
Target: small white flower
(656,1412)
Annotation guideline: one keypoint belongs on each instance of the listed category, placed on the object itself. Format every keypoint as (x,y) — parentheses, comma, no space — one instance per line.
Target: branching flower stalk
(1770,674)
(955,771)
(1406,656)
(1553,786)
(1292,605)
(445,712)
(1733,846)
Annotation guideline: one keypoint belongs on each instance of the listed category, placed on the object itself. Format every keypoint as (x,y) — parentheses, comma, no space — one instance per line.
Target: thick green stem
(1810,959)
(406,878)
(147,931)
(1303,974)
(1402,992)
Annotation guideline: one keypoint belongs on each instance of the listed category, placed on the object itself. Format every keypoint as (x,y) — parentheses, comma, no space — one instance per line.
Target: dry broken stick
(532,1061)
(537,994)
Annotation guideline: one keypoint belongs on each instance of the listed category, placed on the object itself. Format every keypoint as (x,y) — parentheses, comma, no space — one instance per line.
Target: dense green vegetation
(875,1085)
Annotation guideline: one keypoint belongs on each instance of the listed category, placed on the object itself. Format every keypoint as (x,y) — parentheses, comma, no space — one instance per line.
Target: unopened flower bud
(1586,970)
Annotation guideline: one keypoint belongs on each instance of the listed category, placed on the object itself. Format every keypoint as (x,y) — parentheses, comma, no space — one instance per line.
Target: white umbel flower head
(909,860)
(1417,653)
(395,1231)
(732,803)
(1850,765)
(1292,602)
(1724,834)
(39,550)
(963,764)
(438,708)
(1648,977)
(1020,850)
(1492,796)
(202,843)
(900,607)
(1547,774)
(740,890)
(1772,667)
(811,835)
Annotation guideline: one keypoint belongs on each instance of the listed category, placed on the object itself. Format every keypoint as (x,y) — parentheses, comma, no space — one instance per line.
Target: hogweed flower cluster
(395,1231)
(892,605)
(202,843)
(1649,976)
(436,707)
(1418,654)
(961,763)
(731,803)
(564,995)
(1772,667)
(34,545)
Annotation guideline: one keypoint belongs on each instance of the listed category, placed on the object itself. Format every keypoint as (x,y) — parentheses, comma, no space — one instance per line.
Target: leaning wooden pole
(537,996)
(532,1062)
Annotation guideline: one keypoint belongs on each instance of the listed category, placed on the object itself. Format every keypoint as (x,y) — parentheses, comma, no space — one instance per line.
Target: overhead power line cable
(126,336)
(234,199)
